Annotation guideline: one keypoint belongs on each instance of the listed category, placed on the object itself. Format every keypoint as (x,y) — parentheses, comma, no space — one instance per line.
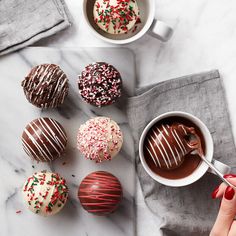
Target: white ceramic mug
(201,169)
(156,28)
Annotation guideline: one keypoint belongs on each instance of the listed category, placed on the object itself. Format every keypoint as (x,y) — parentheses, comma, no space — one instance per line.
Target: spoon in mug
(195,139)
(220,175)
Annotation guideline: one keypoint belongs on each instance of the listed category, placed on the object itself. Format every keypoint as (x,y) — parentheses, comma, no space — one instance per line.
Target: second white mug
(156,28)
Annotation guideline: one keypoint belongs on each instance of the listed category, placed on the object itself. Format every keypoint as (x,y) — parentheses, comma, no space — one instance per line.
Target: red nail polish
(214,193)
(230,176)
(229,193)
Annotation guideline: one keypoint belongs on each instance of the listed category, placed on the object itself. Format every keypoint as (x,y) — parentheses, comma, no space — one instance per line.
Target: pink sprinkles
(100,84)
(99,139)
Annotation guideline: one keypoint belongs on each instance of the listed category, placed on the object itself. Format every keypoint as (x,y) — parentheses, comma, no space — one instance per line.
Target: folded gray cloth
(186,210)
(23,22)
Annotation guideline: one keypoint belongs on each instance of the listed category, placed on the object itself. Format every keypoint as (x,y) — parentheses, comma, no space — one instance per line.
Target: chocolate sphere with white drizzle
(167,145)
(46,86)
(44,139)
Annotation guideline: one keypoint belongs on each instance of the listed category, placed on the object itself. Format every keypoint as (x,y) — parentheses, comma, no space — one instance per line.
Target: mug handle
(223,168)
(160,30)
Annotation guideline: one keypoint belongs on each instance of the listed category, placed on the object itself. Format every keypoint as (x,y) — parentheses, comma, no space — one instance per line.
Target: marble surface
(16,166)
(204,39)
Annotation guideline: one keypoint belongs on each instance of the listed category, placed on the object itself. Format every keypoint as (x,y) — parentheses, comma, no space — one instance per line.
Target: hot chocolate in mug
(147,23)
(200,168)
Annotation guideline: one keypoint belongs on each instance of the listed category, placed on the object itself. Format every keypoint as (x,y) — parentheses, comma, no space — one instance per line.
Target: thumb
(226,213)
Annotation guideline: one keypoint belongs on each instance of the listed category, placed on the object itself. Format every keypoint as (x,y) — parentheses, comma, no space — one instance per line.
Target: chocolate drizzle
(46,86)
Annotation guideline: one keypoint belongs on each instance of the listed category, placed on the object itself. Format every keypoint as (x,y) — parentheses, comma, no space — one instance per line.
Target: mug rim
(133,38)
(199,171)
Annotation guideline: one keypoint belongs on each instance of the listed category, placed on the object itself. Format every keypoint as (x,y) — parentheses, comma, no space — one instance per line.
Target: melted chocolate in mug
(181,167)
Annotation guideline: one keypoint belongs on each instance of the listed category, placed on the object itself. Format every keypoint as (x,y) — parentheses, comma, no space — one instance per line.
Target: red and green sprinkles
(117,15)
(52,193)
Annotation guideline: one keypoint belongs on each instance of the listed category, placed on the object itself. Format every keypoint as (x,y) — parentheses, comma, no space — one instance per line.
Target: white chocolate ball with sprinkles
(45,193)
(100,84)
(44,139)
(116,16)
(100,139)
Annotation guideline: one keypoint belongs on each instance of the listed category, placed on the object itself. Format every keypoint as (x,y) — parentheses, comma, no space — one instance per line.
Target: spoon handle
(217,172)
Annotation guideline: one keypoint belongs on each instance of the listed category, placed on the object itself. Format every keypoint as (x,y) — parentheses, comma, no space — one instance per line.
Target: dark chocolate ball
(100,193)
(44,139)
(100,84)
(46,86)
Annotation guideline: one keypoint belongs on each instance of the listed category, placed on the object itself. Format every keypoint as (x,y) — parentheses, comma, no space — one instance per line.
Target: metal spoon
(220,175)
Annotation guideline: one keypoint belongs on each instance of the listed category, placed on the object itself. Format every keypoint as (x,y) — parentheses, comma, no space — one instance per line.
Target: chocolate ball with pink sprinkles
(100,84)
(100,139)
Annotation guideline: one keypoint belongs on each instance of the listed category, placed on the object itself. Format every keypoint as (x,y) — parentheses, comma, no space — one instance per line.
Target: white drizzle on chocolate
(167,145)
(44,139)
(46,86)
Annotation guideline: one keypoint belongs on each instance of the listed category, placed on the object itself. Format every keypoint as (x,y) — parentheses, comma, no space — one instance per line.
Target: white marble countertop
(204,39)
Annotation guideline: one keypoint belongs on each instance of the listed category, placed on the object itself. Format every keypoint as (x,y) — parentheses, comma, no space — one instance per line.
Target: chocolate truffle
(100,84)
(44,139)
(167,145)
(45,193)
(116,16)
(99,139)
(100,193)
(46,86)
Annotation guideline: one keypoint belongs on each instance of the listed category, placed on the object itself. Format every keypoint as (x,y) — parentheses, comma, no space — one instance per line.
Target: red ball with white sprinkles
(100,84)
(100,193)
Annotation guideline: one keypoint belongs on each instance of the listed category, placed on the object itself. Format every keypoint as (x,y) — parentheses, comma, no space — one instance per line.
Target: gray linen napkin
(23,22)
(187,210)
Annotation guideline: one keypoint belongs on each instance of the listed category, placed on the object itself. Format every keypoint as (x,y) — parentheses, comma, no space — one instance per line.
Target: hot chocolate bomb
(100,193)
(44,139)
(167,145)
(45,193)
(100,84)
(46,86)
(116,16)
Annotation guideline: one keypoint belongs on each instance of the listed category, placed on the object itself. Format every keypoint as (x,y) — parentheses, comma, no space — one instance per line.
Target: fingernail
(229,193)
(230,176)
(214,193)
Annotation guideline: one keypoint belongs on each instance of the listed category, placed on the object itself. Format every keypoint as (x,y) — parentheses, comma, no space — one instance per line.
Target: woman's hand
(225,225)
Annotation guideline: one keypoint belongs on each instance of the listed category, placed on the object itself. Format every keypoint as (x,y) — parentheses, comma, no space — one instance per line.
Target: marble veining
(16,166)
